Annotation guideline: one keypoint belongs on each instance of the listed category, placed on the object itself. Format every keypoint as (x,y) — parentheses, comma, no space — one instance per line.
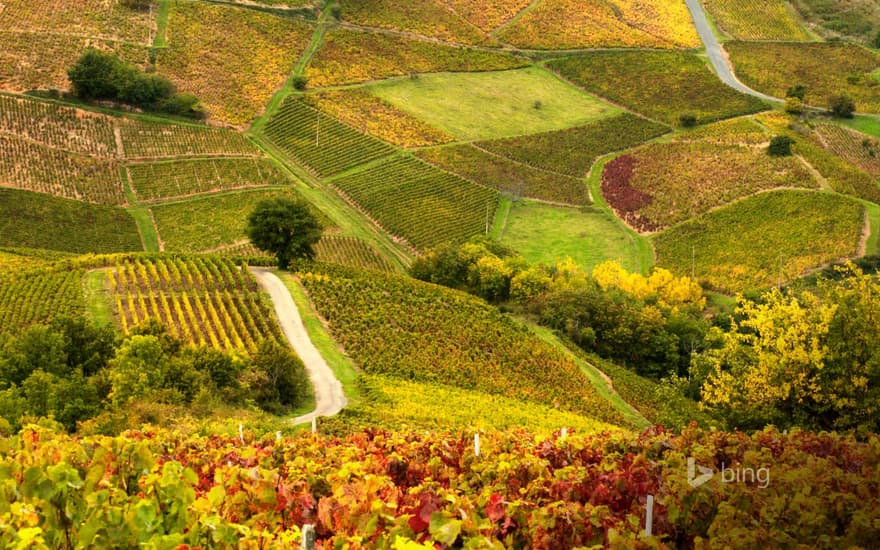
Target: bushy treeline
(75,372)
(103,75)
(788,358)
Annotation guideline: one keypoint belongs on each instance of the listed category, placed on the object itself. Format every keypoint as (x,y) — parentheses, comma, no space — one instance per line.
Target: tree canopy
(286,228)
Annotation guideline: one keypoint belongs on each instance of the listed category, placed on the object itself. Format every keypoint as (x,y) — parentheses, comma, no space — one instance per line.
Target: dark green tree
(780,146)
(798,90)
(277,378)
(97,75)
(286,228)
(842,106)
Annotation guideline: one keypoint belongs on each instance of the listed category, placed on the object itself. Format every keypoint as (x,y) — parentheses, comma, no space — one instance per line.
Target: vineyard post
(278,435)
(563,433)
(476,444)
(649,516)
(308,537)
(241,433)
(314,424)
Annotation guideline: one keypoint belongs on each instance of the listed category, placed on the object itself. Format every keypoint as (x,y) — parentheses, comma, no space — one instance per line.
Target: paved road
(716,54)
(329,397)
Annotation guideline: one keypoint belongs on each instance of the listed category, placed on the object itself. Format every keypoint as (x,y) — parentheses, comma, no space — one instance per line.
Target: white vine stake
(563,433)
(241,433)
(278,435)
(476,444)
(314,424)
(649,517)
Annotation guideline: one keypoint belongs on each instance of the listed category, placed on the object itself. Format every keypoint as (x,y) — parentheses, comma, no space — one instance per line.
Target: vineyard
(507,176)
(39,41)
(375,117)
(757,19)
(825,69)
(204,301)
(188,177)
(842,176)
(33,167)
(58,126)
(209,222)
(856,148)
(574,24)
(394,404)
(142,139)
(350,251)
(33,296)
(428,18)
(573,151)
(666,183)
(779,236)
(524,490)
(323,144)
(34,220)
(420,203)
(232,59)
(348,57)
(488,16)
(671,84)
(397,327)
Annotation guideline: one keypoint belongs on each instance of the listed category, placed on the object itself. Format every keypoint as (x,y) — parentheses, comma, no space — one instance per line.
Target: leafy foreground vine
(159,489)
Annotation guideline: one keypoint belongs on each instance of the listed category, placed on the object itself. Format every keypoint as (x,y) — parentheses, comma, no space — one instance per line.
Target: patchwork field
(825,69)
(165,180)
(203,301)
(348,57)
(757,19)
(40,40)
(546,233)
(34,220)
(233,59)
(475,106)
(376,117)
(573,151)
(424,205)
(666,183)
(763,240)
(570,24)
(670,84)
(209,222)
(509,177)
(397,327)
(321,143)
(427,17)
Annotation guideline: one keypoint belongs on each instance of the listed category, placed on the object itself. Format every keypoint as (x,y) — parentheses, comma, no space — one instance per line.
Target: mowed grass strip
(661,85)
(546,233)
(320,143)
(477,106)
(825,69)
(421,203)
(764,240)
(509,177)
(209,222)
(349,57)
(573,151)
(34,220)
(171,179)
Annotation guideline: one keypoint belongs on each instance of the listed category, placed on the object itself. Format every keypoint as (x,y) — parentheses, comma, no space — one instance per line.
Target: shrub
(780,146)
(798,91)
(794,106)
(300,82)
(687,120)
(841,106)
(186,105)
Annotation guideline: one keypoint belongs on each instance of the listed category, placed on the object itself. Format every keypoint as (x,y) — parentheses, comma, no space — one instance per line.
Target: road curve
(716,53)
(329,397)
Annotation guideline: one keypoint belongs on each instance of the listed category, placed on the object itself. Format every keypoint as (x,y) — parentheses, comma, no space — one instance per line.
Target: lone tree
(780,146)
(284,227)
(842,106)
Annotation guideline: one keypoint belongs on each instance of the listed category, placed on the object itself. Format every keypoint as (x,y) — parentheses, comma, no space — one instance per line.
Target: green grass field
(865,123)
(472,106)
(545,233)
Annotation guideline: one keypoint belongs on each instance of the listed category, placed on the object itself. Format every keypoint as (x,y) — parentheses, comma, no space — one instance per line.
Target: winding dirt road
(329,397)
(717,55)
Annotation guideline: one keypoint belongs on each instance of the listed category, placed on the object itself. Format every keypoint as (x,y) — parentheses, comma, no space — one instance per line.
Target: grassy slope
(546,233)
(473,106)
(97,298)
